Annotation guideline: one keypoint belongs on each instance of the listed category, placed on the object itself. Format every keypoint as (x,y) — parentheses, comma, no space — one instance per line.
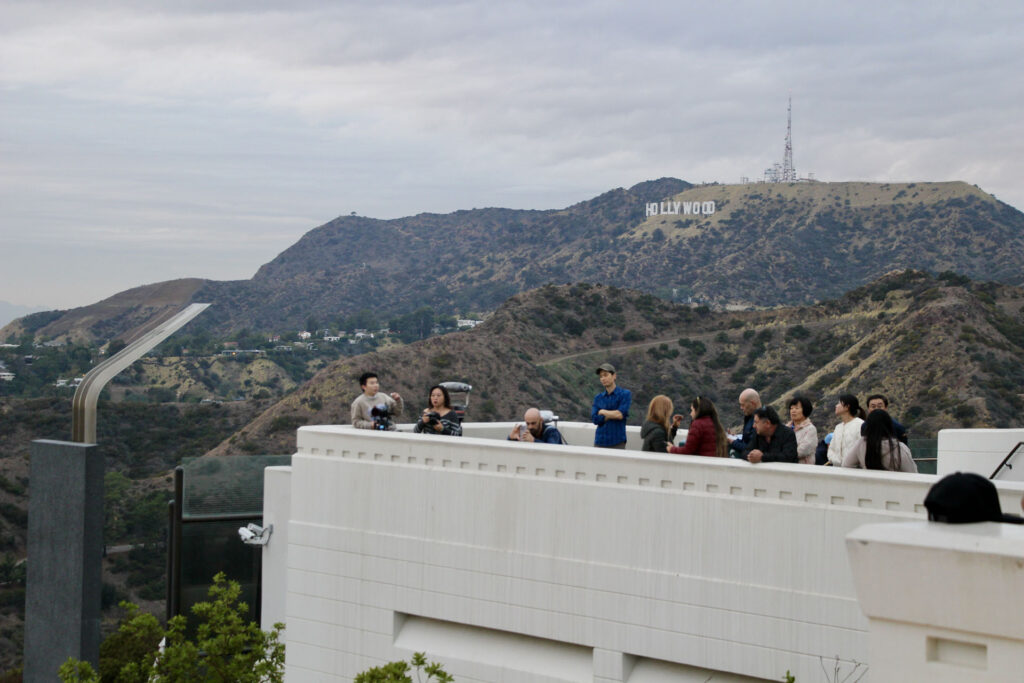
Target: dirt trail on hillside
(815,326)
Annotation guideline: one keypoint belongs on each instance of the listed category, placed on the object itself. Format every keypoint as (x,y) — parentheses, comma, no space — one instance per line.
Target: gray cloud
(209,136)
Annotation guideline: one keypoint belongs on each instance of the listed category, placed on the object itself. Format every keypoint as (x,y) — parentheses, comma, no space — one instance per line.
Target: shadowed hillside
(945,350)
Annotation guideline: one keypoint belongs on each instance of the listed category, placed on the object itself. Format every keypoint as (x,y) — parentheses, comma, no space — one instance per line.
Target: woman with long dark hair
(847,432)
(706,435)
(879,448)
(439,417)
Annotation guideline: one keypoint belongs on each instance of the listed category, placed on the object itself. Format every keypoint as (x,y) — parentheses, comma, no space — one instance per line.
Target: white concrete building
(509,561)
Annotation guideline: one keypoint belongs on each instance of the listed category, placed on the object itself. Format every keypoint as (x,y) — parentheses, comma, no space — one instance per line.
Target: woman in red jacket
(706,435)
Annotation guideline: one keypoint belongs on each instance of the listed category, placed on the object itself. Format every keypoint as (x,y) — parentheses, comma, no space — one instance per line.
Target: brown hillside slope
(120,316)
(945,351)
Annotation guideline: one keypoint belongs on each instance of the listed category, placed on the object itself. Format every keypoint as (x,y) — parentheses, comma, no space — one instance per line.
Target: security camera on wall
(254,534)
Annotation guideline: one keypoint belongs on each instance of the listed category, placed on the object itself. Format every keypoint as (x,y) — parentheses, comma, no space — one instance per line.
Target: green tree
(227,648)
(127,655)
(398,672)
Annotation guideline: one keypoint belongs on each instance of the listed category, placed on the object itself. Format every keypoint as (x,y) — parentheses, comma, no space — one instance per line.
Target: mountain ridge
(764,245)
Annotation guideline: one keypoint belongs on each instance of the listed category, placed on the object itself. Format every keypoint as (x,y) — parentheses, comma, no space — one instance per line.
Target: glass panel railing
(218,486)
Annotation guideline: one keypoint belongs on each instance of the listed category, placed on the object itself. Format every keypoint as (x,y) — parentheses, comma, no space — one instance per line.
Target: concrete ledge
(942,600)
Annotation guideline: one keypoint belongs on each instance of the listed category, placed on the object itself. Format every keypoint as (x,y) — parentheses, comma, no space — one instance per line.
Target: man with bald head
(535,430)
(750,401)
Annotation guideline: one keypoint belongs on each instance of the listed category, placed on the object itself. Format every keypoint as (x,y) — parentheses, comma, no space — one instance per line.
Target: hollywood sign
(681,208)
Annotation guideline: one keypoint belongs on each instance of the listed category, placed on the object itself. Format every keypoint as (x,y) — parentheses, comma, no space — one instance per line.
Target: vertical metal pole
(174,607)
(170,560)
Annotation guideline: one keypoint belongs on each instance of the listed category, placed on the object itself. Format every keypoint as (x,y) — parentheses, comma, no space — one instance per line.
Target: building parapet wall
(942,600)
(647,566)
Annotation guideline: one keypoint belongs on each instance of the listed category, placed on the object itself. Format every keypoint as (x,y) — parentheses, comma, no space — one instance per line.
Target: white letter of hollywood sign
(685,208)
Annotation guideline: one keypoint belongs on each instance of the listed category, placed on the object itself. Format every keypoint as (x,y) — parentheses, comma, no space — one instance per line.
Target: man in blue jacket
(534,430)
(610,410)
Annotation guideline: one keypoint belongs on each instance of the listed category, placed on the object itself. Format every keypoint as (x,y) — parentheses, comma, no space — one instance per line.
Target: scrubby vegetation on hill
(944,349)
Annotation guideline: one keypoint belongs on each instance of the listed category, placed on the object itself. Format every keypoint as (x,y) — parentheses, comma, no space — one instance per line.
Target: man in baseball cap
(610,410)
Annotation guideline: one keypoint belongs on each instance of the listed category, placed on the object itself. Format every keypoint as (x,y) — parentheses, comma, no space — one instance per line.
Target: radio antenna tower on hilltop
(784,172)
(788,172)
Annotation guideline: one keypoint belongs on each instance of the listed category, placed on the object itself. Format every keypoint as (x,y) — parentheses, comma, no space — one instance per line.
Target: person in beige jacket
(806,433)
(363,406)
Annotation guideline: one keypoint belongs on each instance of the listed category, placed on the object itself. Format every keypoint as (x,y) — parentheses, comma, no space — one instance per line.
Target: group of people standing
(868,440)
(871,440)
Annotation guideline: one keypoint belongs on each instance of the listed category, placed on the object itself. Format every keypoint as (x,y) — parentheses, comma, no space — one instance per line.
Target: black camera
(432,418)
(381,417)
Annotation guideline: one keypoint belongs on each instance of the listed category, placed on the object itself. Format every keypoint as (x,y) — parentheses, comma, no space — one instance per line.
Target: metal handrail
(1006,461)
(83,405)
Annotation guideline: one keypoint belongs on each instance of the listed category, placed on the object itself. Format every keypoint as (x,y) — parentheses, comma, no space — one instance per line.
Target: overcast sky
(147,141)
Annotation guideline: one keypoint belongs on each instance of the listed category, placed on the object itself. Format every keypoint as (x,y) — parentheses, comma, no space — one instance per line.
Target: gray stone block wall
(65,548)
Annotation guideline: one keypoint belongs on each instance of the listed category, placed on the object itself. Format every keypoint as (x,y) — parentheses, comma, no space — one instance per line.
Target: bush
(723,360)
(696,347)
(398,672)
(227,648)
(632,336)
(286,423)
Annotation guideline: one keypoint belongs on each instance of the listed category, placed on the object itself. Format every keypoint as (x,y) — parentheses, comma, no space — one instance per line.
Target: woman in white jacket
(847,432)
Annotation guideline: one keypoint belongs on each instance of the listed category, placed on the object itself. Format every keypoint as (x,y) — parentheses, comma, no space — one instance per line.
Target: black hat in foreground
(964,498)
(607,367)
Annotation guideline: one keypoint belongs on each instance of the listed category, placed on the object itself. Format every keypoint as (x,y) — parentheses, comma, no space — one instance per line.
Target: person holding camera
(534,429)
(372,409)
(439,417)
